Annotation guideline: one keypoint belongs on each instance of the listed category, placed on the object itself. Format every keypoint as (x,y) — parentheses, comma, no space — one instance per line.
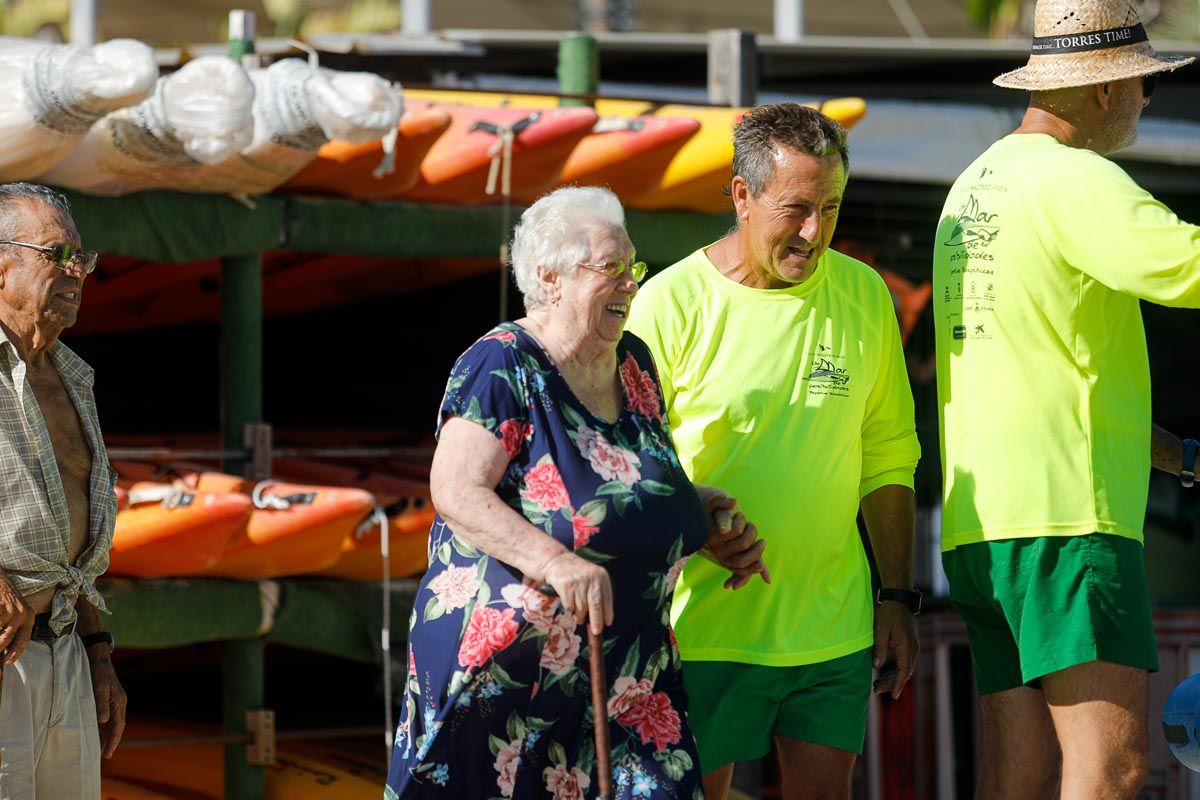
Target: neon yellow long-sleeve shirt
(1043,379)
(797,402)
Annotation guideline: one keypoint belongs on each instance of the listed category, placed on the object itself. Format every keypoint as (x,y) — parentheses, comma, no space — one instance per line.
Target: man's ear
(1104,95)
(739,191)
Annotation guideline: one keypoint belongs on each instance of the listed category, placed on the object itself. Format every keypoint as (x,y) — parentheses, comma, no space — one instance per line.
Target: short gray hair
(553,234)
(789,125)
(11,194)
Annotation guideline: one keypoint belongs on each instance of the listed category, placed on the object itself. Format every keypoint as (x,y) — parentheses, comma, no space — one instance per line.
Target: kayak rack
(259,452)
(260,738)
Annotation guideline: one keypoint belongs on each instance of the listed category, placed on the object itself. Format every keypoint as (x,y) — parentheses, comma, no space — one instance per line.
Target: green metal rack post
(578,68)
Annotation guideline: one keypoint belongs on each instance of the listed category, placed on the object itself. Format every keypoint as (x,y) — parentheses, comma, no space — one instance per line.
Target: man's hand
(16,622)
(110,698)
(896,646)
(732,541)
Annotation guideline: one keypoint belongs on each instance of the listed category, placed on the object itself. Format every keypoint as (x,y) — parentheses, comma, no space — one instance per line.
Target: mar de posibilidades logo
(828,375)
(974,226)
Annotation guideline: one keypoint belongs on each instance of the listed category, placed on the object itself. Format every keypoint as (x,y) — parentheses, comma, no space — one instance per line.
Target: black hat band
(1092,40)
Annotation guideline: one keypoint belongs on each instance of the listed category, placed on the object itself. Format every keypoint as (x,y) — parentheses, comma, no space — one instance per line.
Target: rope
(168,496)
(268,595)
(385,634)
(501,153)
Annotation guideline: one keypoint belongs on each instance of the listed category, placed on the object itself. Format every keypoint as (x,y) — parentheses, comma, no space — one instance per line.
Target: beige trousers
(49,739)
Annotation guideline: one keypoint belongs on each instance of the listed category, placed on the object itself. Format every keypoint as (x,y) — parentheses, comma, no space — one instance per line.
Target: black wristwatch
(1187,470)
(97,638)
(909,597)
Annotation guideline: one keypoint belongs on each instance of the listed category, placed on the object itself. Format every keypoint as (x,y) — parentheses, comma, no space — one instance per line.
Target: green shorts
(1039,605)
(734,709)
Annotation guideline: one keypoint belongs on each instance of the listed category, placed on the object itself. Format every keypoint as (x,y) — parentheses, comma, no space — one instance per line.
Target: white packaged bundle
(199,115)
(50,94)
(298,107)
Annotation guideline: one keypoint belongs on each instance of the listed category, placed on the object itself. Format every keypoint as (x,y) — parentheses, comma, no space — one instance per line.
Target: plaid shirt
(35,525)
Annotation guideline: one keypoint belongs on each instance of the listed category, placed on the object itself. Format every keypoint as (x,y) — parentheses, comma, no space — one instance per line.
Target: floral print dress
(497,703)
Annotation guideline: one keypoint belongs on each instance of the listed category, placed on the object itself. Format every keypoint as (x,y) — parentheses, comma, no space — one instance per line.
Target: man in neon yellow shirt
(785,383)
(1044,249)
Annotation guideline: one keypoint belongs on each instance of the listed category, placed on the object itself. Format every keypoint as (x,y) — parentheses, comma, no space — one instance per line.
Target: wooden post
(241,403)
(242,684)
(241,352)
(732,68)
(578,67)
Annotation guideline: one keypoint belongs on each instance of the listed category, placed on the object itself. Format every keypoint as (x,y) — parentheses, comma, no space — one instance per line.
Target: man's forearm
(891,516)
(1166,450)
(89,617)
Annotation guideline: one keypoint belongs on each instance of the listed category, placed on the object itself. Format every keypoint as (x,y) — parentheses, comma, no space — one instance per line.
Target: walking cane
(599,706)
(600,714)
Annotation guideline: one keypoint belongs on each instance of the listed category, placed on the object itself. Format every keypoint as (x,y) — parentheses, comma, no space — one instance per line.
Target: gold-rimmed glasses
(613,270)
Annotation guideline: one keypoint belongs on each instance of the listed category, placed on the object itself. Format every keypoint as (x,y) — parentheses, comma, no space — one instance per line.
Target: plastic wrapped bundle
(50,94)
(199,115)
(298,107)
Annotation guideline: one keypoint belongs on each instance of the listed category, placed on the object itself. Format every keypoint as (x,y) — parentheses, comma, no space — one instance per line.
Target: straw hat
(1082,42)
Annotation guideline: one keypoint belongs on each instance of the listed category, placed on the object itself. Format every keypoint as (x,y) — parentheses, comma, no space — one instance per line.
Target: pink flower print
(539,608)
(544,486)
(508,337)
(584,529)
(654,720)
(567,784)
(513,434)
(561,647)
(455,587)
(507,761)
(488,632)
(609,461)
(625,693)
(641,395)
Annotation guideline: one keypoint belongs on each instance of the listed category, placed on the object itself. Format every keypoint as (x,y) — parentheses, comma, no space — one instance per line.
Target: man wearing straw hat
(1044,249)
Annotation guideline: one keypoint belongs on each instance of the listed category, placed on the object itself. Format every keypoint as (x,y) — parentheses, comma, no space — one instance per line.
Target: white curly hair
(553,233)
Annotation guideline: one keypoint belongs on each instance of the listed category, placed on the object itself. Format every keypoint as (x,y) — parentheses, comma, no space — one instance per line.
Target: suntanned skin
(38,302)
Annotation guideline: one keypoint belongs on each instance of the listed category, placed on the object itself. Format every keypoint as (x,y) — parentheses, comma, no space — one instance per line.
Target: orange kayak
(198,770)
(347,169)
(408,508)
(456,167)
(294,529)
(629,156)
(114,789)
(408,545)
(172,531)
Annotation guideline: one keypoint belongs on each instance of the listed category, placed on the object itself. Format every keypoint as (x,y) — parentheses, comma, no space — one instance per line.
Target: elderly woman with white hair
(555,468)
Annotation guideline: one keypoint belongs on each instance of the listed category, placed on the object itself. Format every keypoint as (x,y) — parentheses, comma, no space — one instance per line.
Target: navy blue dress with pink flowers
(497,703)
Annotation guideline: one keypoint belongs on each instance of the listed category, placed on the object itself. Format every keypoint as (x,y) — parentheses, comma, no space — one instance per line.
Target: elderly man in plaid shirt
(61,705)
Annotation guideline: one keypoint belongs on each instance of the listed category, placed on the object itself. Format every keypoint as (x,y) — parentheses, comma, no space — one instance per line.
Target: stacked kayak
(168,530)
(198,770)
(654,157)
(323,520)
(405,504)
